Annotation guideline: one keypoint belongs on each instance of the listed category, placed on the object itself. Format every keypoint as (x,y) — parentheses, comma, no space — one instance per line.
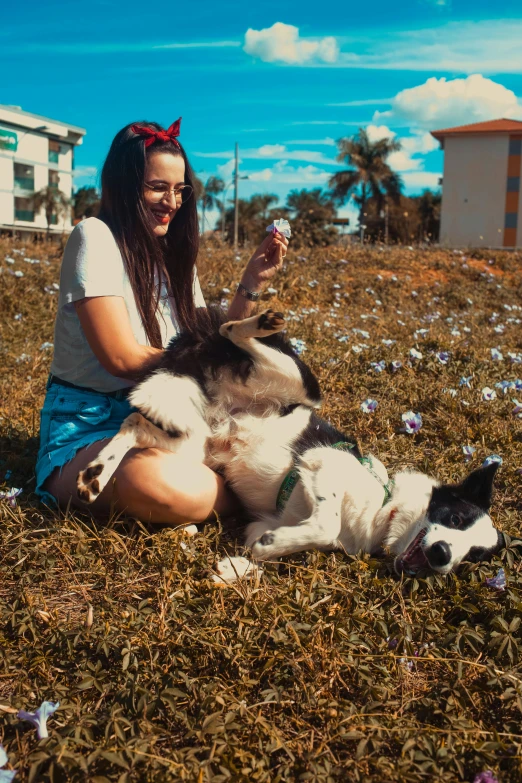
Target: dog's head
(456,526)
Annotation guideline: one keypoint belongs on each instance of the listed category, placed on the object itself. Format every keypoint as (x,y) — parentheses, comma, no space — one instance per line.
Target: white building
(481,204)
(35,152)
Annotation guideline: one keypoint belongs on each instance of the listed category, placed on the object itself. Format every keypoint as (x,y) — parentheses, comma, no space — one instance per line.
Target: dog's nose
(439,554)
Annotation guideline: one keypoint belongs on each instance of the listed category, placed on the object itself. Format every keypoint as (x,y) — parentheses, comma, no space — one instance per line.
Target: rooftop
(14,115)
(490,126)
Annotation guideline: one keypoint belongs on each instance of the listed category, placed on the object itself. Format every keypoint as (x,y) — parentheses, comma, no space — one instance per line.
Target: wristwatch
(252,295)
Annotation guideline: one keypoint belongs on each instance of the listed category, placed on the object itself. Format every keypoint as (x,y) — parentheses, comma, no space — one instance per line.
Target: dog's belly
(258,456)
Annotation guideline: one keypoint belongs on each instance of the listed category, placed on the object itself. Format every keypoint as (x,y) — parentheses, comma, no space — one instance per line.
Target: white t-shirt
(92,266)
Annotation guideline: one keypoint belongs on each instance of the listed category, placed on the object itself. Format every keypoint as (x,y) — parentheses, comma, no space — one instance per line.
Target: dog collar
(292,477)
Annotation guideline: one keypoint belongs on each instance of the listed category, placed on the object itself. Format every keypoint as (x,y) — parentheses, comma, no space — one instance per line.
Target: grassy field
(329,668)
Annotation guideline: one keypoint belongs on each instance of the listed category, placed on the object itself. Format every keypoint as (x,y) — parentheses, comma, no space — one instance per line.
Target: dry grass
(292,678)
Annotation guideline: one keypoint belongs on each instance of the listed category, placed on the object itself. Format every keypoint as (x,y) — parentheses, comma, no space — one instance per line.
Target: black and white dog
(237,397)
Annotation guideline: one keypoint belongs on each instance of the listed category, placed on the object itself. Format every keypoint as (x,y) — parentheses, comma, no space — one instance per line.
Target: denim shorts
(72,418)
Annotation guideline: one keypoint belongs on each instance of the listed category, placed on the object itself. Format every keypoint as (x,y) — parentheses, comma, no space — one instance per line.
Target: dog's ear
(477,488)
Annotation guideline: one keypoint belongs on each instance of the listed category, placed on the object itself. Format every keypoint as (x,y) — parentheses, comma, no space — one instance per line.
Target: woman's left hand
(265,262)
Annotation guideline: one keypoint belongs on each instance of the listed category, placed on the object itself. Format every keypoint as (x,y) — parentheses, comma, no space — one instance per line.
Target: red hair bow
(154,135)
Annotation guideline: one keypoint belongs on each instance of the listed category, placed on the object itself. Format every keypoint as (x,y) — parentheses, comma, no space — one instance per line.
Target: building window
(54,179)
(24,210)
(23,176)
(511,220)
(515,146)
(54,151)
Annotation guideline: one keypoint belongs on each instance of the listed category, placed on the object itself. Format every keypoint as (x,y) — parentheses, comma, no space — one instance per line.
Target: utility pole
(236,198)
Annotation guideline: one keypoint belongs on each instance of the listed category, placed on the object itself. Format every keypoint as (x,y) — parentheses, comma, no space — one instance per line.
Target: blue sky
(283,80)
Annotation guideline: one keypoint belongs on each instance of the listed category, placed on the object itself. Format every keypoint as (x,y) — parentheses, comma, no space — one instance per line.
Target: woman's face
(163,172)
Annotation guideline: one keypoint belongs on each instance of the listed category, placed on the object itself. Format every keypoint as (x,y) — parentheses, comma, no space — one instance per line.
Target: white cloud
(365,102)
(419,180)
(226,170)
(378,132)
(327,142)
(439,103)
(296,176)
(275,151)
(271,150)
(88,174)
(282,43)
(402,161)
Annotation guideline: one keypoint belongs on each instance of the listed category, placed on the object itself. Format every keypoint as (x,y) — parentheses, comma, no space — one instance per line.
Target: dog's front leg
(320,530)
(135,433)
(276,373)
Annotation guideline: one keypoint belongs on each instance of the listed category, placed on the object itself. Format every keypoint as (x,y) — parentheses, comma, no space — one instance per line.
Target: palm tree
(86,203)
(209,198)
(253,217)
(428,205)
(54,203)
(370,175)
(312,214)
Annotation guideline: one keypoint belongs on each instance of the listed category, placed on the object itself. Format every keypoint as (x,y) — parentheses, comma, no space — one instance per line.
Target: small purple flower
(517,410)
(415,355)
(412,422)
(488,394)
(378,366)
(496,355)
(369,405)
(443,357)
(396,365)
(497,582)
(466,381)
(6,775)
(39,717)
(468,452)
(392,643)
(505,386)
(11,496)
(491,459)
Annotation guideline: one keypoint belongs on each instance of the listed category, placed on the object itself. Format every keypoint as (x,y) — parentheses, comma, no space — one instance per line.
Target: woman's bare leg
(151,484)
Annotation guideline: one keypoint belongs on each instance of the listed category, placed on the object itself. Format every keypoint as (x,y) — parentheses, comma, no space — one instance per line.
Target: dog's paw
(230,569)
(255,531)
(88,484)
(269,321)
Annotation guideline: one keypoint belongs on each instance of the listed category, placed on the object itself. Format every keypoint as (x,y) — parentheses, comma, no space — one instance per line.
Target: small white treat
(230,569)
(282,226)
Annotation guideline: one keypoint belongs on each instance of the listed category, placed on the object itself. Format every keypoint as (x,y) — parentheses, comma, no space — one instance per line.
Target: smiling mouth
(162,218)
(413,559)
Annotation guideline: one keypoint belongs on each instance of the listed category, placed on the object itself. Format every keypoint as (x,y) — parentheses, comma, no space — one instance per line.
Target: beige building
(35,152)
(481,205)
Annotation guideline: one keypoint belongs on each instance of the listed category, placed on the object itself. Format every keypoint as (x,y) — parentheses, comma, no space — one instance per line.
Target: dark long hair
(123,209)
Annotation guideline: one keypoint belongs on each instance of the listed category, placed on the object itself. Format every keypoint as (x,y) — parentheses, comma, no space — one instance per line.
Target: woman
(128,284)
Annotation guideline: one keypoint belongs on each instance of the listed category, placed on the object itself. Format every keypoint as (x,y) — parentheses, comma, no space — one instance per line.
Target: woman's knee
(163,487)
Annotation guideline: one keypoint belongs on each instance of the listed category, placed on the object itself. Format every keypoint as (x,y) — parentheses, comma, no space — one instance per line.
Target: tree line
(384,213)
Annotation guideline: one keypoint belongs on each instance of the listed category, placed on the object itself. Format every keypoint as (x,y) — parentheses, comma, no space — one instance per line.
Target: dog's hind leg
(320,530)
(276,374)
(135,433)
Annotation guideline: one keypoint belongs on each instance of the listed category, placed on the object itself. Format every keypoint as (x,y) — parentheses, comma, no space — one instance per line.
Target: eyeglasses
(183,193)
